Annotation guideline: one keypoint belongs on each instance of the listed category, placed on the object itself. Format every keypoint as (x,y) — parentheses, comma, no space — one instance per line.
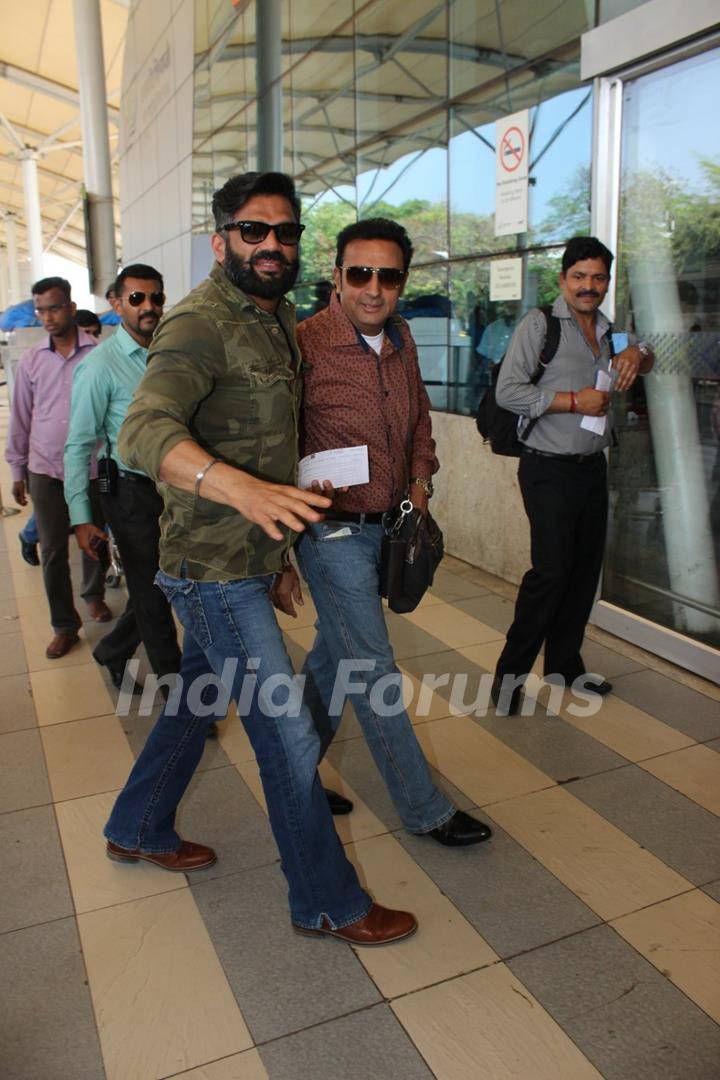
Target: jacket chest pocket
(259,403)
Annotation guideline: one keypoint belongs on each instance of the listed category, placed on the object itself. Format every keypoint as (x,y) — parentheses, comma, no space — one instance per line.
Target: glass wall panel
(401,76)
(664,539)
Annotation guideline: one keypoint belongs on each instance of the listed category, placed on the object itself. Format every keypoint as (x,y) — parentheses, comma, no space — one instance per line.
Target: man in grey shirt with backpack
(562,473)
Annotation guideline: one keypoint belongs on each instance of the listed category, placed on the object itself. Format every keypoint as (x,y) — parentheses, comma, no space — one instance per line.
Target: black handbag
(412,547)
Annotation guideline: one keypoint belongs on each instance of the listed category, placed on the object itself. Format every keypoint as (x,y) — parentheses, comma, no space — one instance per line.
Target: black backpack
(499,426)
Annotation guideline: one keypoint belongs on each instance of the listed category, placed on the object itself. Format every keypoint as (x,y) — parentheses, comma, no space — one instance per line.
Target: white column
(4,301)
(96,147)
(268,60)
(33,221)
(13,268)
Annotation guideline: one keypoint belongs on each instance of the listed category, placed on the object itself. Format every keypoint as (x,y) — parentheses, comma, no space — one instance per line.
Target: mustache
(588,292)
(267,256)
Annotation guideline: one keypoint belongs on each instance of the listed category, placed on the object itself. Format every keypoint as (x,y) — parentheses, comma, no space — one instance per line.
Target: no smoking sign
(512,149)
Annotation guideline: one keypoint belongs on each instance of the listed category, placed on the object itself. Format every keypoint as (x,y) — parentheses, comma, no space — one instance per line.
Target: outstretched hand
(269,505)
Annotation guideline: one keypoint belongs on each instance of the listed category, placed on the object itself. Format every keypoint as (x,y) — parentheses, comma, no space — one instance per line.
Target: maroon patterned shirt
(354,397)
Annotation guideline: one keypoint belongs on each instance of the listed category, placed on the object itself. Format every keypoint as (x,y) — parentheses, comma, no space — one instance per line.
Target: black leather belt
(580,459)
(134,477)
(359,519)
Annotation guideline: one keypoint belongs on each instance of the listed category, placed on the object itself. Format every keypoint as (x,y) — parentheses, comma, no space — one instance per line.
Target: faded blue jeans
(340,562)
(231,632)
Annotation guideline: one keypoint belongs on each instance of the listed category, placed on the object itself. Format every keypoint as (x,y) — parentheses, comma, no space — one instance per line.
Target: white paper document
(596,424)
(343,467)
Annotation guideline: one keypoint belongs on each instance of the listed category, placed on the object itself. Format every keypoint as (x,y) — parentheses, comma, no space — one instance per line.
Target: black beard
(240,273)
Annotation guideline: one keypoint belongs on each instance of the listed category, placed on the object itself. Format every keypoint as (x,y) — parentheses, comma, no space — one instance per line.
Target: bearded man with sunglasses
(102,390)
(363,386)
(214,420)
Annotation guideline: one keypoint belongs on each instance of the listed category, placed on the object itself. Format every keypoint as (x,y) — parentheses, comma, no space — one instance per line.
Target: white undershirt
(375,341)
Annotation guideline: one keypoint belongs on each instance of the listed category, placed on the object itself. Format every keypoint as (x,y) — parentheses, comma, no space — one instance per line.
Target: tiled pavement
(582,941)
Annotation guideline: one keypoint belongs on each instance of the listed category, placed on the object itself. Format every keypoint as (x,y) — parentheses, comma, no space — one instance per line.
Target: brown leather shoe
(98,610)
(188,856)
(61,644)
(379,927)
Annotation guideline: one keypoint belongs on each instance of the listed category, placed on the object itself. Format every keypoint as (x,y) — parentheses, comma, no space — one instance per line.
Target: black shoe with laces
(461,830)
(29,552)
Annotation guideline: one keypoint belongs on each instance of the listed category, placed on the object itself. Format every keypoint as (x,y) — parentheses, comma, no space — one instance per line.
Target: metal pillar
(4,301)
(33,221)
(13,268)
(102,263)
(268,33)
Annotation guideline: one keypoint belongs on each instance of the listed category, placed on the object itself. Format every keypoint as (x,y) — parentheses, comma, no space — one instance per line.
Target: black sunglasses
(254,232)
(135,299)
(388,276)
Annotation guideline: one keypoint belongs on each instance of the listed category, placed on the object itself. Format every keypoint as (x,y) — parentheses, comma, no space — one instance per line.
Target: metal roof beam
(40,85)
(379,45)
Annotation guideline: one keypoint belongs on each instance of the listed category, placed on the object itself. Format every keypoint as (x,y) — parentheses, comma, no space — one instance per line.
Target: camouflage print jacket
(226,374)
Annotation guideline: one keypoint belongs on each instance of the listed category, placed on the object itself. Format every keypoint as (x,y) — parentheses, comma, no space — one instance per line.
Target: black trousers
(53,525)
(567,504)
(133,515)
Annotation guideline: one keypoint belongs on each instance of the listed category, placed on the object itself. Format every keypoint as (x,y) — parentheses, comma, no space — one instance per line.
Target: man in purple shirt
(36,444)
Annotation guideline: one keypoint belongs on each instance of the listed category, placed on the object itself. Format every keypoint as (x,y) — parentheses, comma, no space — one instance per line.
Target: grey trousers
(53,524)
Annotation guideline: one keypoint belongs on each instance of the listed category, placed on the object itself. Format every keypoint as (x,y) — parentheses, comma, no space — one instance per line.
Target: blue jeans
(30,534)
(232,625)
(340,563)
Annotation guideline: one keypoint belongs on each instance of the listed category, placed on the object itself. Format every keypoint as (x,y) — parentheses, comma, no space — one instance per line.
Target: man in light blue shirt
(101,396)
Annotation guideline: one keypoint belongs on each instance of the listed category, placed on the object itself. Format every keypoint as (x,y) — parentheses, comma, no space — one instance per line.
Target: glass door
(663,549)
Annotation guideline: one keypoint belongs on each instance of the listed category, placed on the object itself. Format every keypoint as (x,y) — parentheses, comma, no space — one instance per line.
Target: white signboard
(511,174)
(506,279)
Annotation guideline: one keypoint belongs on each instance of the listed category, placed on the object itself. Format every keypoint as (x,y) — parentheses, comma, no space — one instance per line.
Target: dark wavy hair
(238,190)
(137,270)
(586,247)
(375,229)
(45,284)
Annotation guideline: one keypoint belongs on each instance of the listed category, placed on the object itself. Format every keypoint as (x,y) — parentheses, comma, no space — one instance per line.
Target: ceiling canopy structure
(40,115)
(367,82)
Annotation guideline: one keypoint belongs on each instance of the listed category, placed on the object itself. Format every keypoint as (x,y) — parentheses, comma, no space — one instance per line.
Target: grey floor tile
(18,711)
(676,830)
(12,655)
(608,662)
(220,810)
(35,887)
(446,661)
(137,728)
(410,640)
(370,1045)
(509,897)
(47,1025)
(714,744)
(491,609)
(451,587)
(626,1017)
(354,762)
(283,982)
(713,890)
(555,747)
(687,710)
(23,778)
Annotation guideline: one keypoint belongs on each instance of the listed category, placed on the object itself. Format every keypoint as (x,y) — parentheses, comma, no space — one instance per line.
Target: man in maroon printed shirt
(363,386)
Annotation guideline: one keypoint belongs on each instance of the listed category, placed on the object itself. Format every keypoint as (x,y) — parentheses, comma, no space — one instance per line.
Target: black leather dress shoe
(461,830)
(117,674)
(602,688)
(339,805)
(29,552)
(506,704)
